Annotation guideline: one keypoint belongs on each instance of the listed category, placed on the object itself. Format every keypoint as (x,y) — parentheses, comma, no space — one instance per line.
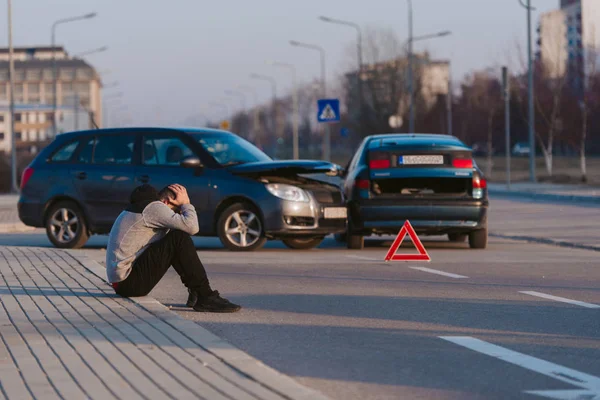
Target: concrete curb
(533,239)
(230,355)
(546,196)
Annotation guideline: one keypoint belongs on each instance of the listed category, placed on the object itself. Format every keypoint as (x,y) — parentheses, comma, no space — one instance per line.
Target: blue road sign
(328,110)
(345,132)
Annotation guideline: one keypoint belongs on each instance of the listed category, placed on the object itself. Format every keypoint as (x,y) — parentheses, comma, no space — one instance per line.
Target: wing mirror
(191,162)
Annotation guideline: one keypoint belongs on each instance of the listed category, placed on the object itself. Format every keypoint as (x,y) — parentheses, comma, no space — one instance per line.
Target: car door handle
(144,178)
(81,175)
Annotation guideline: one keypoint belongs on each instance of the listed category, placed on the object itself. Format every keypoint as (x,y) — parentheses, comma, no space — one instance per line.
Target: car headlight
(287,192)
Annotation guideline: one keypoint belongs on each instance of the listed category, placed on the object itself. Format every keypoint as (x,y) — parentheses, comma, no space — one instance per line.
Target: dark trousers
(175,249)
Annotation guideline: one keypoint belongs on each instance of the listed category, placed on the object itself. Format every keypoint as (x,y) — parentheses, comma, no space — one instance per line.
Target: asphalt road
(355,327)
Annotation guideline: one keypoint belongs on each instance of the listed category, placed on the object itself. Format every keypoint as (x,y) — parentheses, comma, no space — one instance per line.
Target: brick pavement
(65,334)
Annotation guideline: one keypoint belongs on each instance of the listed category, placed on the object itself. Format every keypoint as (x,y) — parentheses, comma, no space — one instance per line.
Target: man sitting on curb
(151,235)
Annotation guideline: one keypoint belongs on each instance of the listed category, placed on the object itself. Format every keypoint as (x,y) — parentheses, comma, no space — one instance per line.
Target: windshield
(230,149)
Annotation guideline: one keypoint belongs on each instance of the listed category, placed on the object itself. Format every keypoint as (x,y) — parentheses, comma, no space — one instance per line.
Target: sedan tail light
(479,184)
(462,163)
(27,173)
(362,184)
(379,164)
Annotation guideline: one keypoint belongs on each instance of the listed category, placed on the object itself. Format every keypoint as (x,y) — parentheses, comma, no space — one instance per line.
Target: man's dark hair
(166,194)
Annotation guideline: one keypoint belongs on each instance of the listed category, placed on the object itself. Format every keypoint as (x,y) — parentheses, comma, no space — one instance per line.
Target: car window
(230,149)
(165,151)
(108,150)
(65,153)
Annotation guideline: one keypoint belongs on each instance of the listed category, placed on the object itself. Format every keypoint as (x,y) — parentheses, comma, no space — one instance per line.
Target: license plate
(335,212)
(428,160)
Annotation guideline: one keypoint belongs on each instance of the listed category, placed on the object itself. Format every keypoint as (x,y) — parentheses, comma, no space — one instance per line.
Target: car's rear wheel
(303,243)
(240,229)
(478,239)
(66,226)
(354,240)
(457,237)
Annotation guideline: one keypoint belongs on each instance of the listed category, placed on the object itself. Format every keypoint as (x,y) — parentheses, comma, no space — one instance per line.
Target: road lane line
(561,299)
(576,378)
(435,271)
(364,258)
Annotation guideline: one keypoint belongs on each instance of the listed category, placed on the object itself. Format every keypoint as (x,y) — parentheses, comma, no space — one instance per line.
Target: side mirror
(191,162)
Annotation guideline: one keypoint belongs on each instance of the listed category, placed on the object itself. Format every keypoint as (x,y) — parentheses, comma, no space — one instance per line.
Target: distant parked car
(79,184)
(520,149)
(430,180)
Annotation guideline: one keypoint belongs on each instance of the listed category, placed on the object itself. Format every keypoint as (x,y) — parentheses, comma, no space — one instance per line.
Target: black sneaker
(215,303)
(192,298)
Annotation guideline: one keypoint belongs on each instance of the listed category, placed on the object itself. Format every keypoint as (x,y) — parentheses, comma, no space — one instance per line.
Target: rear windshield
(230,149)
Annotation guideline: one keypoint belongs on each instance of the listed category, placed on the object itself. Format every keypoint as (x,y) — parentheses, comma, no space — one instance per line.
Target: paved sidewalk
(547,191)
(65,334)
(9,217)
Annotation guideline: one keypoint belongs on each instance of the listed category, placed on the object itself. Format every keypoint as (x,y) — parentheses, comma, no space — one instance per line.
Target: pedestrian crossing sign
(328,110)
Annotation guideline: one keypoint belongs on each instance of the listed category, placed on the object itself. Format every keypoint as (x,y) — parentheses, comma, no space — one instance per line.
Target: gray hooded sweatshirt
(132,233)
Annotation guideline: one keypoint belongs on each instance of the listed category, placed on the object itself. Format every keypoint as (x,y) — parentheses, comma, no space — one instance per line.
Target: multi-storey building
(78,92)
(385,87)
(569,39)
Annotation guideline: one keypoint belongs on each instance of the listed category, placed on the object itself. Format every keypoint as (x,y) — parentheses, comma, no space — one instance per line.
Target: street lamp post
(295,116)
(532,176)
(54,74)
(222,106)
(106,99)
(327,139)
(360,58)
(411,118)
(242,97)
(11,89)
(93,51)
(255,121)
(273,83)
(409,45)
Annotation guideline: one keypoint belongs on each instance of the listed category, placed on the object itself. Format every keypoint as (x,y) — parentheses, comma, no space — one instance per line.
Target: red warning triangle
(391,254)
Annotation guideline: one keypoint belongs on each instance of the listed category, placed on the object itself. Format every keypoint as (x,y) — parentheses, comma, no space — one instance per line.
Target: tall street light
(238,94)
(53,45)
(106,99)
(295,116)
(273,83)
(242,97)
(222,106)
(250,89)
(327,139)
(93,51)
(360,58)
(411,40)
(11,89)
(532,176)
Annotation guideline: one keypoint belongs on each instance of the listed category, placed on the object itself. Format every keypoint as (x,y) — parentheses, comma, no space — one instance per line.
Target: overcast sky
(172,57)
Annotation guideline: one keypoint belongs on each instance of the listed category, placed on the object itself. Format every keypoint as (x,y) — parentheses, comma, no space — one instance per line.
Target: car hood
(287,168)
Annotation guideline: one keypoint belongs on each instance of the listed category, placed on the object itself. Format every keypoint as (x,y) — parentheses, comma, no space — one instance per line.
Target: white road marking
(435,271)
(561,299)
(590,383)
(364,258)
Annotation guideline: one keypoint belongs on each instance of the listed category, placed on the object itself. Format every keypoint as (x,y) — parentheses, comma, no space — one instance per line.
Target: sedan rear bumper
(425,218)
(31,213)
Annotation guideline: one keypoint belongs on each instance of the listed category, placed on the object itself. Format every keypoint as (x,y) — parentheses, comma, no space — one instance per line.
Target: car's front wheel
(303,243)
(65,225)
(240,229)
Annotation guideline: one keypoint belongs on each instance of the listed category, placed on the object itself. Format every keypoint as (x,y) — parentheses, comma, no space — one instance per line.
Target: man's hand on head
(181,196)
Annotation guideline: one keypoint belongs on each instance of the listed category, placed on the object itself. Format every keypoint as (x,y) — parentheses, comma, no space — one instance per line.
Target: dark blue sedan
(430,180)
